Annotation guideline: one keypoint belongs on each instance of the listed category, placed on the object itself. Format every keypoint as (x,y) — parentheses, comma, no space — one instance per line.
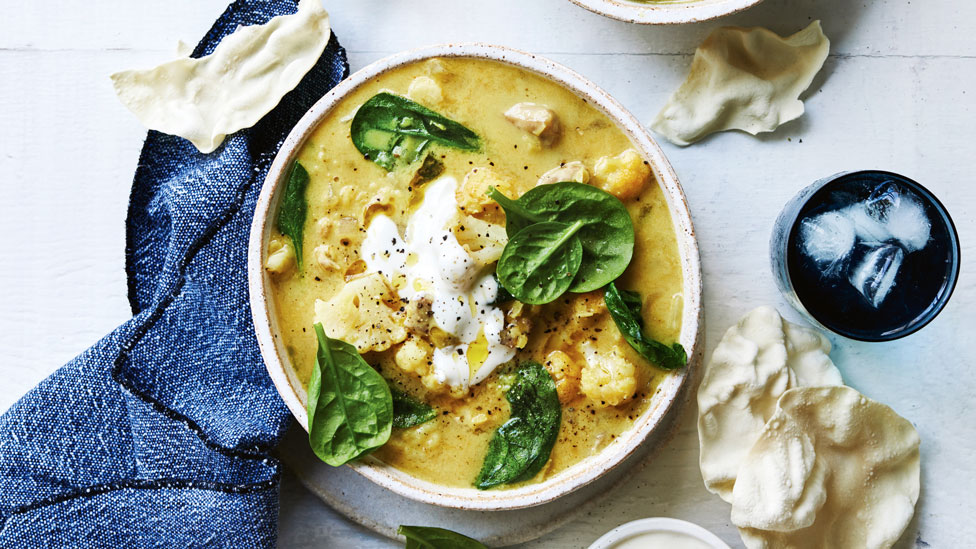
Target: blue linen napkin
(160,435)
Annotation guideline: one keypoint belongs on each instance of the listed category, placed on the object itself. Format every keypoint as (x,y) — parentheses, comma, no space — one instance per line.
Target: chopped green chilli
(408,411)
(392,131)
(350,408)
(607,234)
(293,209)
(625,309)
(428,537)
(521,446)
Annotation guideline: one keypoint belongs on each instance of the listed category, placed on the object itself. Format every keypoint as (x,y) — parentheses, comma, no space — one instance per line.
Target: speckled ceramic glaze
(290,387)
(665,12)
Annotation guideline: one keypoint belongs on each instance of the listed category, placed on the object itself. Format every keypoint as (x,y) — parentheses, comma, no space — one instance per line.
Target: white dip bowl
(668,532)
(665,12)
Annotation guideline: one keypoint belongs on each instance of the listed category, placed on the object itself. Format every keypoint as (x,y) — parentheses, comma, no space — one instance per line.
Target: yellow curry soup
(568,336)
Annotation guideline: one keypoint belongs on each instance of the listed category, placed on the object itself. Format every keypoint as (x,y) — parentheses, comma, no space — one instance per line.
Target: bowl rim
(665,13)
(657,524)
(588,469)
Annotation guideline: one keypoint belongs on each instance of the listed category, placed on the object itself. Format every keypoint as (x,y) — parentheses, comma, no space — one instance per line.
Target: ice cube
(901,213)
(867,227)
(827,238)
(882,200)
(874,269)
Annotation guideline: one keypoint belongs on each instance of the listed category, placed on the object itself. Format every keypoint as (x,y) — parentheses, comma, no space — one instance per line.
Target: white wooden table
(897,93)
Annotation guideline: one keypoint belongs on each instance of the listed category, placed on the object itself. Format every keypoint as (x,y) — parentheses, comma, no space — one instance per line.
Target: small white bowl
(658,525)
(665,12)
(589,469)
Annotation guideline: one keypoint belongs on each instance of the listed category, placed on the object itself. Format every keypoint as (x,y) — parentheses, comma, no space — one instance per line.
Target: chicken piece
(568,171)
(472,196)
(423,89)
(608,379)
(536,119)
(327,257)
(364,314)
(623,176)
(281,256)
(414,356)
(566,373)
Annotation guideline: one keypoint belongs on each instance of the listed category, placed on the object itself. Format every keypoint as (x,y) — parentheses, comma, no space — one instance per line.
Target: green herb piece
(293,208)
(391,131)
(350,409)
(538,263)
(607,235)
(408,411)
(428,537)
(428,170)
(625,309)
(521,446)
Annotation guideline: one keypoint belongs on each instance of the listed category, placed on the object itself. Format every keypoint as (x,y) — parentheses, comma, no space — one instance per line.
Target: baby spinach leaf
(538,264)
(391,130)
(625,309)
(293,208)
(350,409)
(408,411)
(521,446)
(428,537)
(607,235)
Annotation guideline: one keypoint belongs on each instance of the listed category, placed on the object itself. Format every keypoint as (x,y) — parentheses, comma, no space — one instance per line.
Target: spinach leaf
(391,130)
(293,208)
(607,235)
(521,446)
(538,264)
(428,537)
(350,409)
(408,411)
(625,309)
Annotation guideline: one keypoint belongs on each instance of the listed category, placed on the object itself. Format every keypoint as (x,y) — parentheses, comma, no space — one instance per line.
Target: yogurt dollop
(429,262)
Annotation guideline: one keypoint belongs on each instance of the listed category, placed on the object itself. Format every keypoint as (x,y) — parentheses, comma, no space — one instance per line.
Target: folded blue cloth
(160,435)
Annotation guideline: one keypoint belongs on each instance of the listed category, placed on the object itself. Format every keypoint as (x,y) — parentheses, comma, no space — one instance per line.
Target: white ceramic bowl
(290,387)
(665,12)
(658,525)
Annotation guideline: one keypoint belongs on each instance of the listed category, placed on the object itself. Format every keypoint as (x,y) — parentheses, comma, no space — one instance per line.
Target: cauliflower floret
(566,373)
(424,89)
(608,379)
(536,119)
(364,314)
(414,356)
(281,256)
(623,176)
(569,171)
(518,324)
(472,197)
(483,240)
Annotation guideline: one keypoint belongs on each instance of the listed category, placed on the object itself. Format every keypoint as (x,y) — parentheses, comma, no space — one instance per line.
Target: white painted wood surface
(897,93)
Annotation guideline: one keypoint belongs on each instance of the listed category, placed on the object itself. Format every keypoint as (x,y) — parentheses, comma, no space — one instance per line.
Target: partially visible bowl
(676,530)
(587,470)
(665,12)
